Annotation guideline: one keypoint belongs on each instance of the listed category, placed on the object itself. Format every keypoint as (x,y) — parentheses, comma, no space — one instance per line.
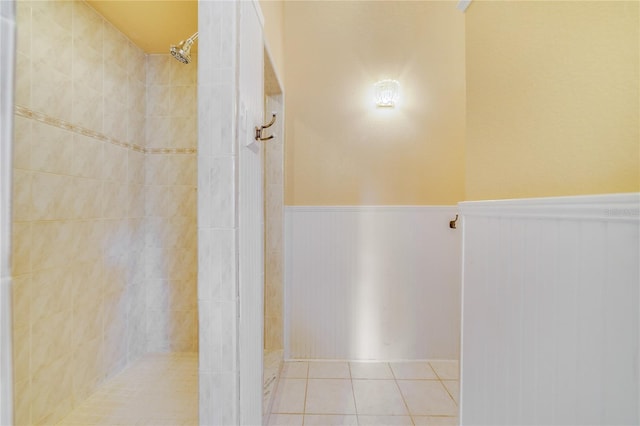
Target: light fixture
(387,93)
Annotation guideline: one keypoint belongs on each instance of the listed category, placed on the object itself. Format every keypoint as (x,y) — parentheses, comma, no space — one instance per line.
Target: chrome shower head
(182,51)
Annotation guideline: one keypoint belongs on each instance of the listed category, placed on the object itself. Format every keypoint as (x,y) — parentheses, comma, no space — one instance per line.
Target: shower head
(182,51)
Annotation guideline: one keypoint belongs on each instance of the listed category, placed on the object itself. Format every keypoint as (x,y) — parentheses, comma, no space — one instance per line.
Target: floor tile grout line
(433,370)
(450,394)
(353,393)
(441,380)
(306,388)
(401,394)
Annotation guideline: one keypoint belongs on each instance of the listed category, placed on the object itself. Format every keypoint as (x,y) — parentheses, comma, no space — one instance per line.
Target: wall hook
(265,126)
(452,223)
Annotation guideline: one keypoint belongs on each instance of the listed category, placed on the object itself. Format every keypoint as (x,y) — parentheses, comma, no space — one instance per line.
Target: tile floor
(366,393)
(162,390)
(156,390)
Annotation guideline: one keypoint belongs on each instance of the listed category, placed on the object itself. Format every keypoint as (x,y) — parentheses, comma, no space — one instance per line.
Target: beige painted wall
(552,99)
(340,148)
(273,12)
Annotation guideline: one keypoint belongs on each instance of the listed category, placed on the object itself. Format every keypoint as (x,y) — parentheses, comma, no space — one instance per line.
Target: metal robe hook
(452,223)
(265,126)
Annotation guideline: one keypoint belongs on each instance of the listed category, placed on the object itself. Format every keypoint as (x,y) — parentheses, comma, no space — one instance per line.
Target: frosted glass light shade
(387,93)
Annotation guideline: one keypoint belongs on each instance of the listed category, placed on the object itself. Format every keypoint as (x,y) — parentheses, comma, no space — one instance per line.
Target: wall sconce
(387,93)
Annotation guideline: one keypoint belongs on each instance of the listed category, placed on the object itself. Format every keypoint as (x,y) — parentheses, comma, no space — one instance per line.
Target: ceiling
(153,25)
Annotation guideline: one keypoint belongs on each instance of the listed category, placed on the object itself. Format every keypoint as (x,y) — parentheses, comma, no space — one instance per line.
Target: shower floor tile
(158,389)
(367,394)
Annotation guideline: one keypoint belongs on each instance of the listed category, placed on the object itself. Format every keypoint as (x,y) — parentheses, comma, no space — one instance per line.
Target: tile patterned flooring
(156,390)
(366,393)
(162,390)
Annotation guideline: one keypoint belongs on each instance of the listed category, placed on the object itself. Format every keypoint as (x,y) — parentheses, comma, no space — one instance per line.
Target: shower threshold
(158,389)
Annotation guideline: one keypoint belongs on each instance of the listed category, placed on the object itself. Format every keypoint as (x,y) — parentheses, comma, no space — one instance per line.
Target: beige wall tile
(115,348)
(182,331)
(22,402)
(87,27)
(87,66)
(51,92)
(136,167)
(47,31)
(21,354)
(21,303)
(116,120)
(23,16)
(136,130)
(21,143)
(182,264)
(87,198)
(274,300)
(89,372)
(23,78)
(22,201)
(156,169)
(88,157)
(159,101)
(47,250)
(157,331)
(115,163)
(115,200)
(51,149)
(180,169)
(51,388)
(273,333)
(184,132)
(88,106)
(182,295)
(52,291)
(58,12)
(180,232)
(182,201)
(183,101)
(116,47)
(137,64)
(156,201)
(48,194)
(135,203)
(159,69)
(184,76)
(21,248)
(53,337)
(158,132)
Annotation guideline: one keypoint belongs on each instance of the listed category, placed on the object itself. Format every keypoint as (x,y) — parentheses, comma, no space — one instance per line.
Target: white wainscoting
(550,311)
(372,283)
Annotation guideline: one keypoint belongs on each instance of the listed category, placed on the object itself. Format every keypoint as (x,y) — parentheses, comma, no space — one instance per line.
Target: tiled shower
(104,207)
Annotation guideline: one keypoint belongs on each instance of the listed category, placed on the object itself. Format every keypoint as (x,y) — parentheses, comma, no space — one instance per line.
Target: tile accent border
(25,112)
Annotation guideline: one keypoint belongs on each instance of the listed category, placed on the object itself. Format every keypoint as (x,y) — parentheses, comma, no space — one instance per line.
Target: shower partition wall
(217,212)
(230,212)
(7,63)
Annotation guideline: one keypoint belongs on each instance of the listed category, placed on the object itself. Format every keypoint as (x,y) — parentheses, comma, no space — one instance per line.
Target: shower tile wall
(83,267)
(171,247)
(274,197)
